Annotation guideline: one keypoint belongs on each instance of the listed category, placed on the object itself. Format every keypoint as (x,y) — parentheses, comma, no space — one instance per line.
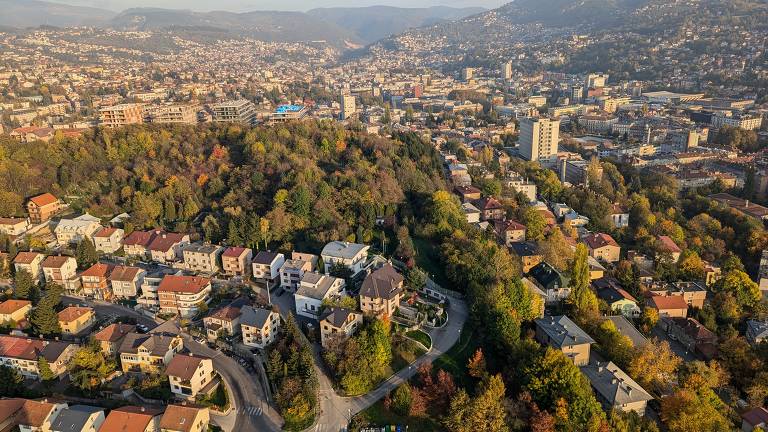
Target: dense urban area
(545,217)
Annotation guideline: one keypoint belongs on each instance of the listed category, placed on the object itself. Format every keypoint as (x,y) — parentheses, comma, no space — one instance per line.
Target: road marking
(254,411)
(319,427)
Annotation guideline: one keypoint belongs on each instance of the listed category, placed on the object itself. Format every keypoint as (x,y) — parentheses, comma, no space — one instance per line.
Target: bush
(401,399)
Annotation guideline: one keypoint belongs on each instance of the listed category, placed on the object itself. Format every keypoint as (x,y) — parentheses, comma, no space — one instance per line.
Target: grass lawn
(455,360)
(428,259)
(420,336)
(378,415)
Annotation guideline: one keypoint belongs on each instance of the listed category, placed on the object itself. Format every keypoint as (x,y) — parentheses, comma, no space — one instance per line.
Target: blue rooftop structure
(289,108)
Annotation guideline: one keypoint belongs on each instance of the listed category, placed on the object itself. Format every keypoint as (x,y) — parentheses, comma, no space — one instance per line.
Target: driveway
(674,345)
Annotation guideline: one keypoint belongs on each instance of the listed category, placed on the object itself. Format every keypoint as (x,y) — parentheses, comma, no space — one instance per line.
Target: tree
(401,399)
(535,224)
(86,254)
(476,365)
(44,319)
(582,299)
(694,407)
(690,265)
(11,382)
(649,318)
(46,374)
(741,286)
(654,366)
(485,412)
(23,285)
(416,278)
(555,250)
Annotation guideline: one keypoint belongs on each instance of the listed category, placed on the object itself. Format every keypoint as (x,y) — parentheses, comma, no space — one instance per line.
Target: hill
(376,22)
(33,13)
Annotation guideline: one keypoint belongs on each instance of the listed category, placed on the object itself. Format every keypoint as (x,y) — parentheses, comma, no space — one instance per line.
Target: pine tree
(23,285)
(44,319)
(46,374)
(86,254)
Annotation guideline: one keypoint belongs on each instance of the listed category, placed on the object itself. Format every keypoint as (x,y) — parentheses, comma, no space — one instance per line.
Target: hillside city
(507,221)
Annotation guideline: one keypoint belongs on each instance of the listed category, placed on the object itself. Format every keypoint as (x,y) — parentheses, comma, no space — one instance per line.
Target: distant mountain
(377,22)
(262,25)
(33,13)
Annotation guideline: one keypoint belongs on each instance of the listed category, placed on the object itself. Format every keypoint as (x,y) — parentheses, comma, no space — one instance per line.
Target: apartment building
(42,207)
(258,326)
(238,111)
(223,321)
(168,247)
(74,320)
(189,374)
(313,289)
(202,258)
(30,262)
(148,353)
(96,282)
(539,138)
(126,281)
(561,333)
(381,292)
(121,115)
(183,295)
(149,297)
(69,231)
(266,268)
(173,113)
(291,273)
(23,354)
(108,240)
(236,261)
(59,269)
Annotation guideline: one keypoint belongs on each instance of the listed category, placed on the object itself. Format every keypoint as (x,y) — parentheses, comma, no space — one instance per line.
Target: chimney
(746,204)
(143,409)
(614,381)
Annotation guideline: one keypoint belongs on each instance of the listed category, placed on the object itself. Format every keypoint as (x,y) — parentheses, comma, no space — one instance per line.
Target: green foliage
(23,285)
(535,224)
(401,399)
(44,318)
(741,286)
(371,347)
(11,382)
(582,299)
(89,367)
(484,412)
(46,374)
(86,254)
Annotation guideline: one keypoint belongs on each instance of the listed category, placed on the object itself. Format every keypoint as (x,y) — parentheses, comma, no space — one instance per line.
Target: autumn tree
(582,299)
(694,407)
(535,224)
(654,366)
(476,365)
(484,412)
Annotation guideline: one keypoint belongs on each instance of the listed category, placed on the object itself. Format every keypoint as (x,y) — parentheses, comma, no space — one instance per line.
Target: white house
(313,289)
(350,255)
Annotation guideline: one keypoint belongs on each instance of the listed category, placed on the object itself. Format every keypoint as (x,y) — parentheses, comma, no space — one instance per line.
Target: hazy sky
(247,5)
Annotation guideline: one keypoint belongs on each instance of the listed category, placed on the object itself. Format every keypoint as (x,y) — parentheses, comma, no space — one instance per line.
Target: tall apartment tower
(506,71)
(596,80)
(539,137)
(348,107)
(236,111)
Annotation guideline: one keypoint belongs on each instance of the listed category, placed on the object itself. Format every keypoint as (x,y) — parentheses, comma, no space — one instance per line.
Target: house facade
(259,326)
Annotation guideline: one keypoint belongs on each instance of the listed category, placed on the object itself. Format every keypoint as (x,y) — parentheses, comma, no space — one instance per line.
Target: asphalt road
(250,413)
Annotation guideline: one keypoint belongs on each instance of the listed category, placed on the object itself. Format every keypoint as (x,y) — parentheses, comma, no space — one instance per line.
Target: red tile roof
(668,302)
(184,366)
(669,245)
(98,270)
(599,240)
(183,284)
(11,306)
(105,232)
(25,257)
(127,419)
(73,313)
(114,332)
(234,252)
(44,199)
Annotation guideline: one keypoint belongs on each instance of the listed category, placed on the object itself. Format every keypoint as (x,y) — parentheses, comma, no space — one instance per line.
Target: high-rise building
(348,107)
(240,110)
(121,115)
(467,73)
(596,80)
(577,94)
(506,71)
(539,137)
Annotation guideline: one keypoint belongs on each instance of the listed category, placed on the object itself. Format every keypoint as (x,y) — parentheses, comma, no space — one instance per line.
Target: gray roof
(613,384)
(337,316)
(202,248)
(563,332)
(157,344)
(382,283)
(344,250)
(254,317)
(320,284)
(73,418)
(758,328)
(265,257)
(625,327)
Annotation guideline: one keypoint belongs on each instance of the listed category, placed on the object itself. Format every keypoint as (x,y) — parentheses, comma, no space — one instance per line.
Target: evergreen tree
(46,374)
(86,254)
(44,319)
(23,285)
(11,382)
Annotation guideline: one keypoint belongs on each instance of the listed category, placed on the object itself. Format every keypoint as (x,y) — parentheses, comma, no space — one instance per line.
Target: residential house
(14,227)
(224,321)
(96,282)
(602,247)
(626,328)
(126,281)
(189,375)
(74,320)
(618,299)
(131,419)
(561,333)
(81,418)
(149,297)
(551,281)
(559,210)
(668,306)
(14,312)
(167,247)
(468,193)
(291,273)
(259,326)
(23,353)
(754,418)
(112,336)
(668,246)
(349,255)
(32,263)
(615,389)
(529,254)
(338,324)
(38,416)
(9,409)
(692,335)
(757,331)
(694,293)
(58,269)
(236,261)
(202,258)
(471,212)
(381,291)
(266,268)
(509,232)
(136,244)
(42,207)
(619,216)
(186,418)
(575,220)
(108,240)
(183,295)
(490,209)
(313,289)
(148,353)
(70,231)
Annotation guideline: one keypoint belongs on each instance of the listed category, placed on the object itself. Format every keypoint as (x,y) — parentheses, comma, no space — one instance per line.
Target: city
(532,216)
